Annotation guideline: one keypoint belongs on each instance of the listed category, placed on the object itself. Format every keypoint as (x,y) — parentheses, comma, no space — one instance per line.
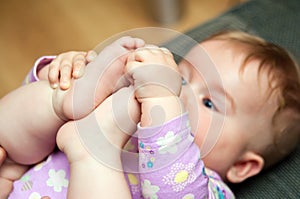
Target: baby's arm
(169,160)
(170,164)
(91,175)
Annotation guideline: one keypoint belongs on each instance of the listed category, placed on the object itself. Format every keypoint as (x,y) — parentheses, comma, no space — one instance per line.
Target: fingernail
(76,73)
(80,72)
(64,84)
(91,56)
(54,85)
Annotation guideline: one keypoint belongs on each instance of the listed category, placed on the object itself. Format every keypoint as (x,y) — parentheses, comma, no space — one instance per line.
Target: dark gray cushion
(277,21)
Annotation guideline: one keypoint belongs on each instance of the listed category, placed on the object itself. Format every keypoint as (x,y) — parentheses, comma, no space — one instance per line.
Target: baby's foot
(103,133)
(102,77)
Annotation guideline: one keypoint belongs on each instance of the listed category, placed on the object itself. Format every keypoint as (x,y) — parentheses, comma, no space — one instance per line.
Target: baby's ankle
(62,105)
(72,104)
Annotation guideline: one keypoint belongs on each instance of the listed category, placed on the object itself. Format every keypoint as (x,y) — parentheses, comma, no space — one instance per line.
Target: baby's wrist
(158,110)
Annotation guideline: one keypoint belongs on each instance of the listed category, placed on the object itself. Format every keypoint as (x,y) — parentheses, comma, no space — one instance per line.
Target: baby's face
(228,110)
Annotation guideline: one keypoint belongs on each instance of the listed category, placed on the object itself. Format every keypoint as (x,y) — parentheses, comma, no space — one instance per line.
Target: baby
(255,105)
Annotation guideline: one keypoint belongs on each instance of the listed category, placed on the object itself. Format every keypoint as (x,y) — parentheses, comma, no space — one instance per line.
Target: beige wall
(32,28)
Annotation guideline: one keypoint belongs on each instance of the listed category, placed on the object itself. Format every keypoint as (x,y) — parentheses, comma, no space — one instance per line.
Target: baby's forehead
(263,92)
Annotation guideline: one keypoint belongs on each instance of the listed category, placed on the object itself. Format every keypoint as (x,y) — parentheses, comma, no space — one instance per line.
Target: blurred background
(33,28)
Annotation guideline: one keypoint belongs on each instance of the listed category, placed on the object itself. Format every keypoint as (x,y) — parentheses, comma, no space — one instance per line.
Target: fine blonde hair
(284,80)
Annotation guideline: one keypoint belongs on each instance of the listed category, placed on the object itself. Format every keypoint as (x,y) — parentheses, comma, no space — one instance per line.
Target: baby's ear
(247,166)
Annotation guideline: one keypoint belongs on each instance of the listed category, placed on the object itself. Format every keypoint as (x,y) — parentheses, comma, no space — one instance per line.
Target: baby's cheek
(203,130)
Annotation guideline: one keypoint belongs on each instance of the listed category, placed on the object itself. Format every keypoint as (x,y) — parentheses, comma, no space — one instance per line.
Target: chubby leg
(102,77)
(100,133)
(31,115)
(28,123)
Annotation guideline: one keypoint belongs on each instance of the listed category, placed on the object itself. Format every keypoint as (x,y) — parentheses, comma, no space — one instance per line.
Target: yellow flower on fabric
(132,179)
(129,146)
(38,166)
(35,195)
(152,159)
(42,164)
(181,176)
(133,183)
(188,196)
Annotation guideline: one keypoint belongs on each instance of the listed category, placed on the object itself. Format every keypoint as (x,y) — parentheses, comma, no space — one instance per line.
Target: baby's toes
(130,43)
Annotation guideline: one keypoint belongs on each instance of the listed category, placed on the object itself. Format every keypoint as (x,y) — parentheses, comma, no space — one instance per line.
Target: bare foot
(103,133)
(102,77)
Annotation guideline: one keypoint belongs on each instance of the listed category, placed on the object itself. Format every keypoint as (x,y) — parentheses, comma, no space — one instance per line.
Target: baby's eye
(183,81)
(208,103)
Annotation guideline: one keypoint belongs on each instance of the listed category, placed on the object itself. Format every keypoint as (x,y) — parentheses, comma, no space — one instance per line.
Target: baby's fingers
(91,56)
(53,74)
(79,62)
(6,187)
(65,74)
(2,156)
(130,43)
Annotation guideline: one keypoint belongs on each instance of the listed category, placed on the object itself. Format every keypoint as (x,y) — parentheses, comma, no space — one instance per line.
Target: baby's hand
(67,66)
(154,73)
(9,172)
(157,84)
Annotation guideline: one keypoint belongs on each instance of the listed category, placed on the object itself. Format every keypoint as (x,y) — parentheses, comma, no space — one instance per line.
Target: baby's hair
(284,82)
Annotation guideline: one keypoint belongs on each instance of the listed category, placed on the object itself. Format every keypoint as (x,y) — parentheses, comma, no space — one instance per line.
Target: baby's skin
(32,114)
(90,177)
(102,77)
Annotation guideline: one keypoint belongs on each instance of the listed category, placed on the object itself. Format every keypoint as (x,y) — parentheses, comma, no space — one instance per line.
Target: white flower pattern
(180,176)
(149,190)
(57,180)
(168,143)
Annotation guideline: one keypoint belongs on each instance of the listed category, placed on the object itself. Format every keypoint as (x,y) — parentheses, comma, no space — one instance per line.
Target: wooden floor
(32,28)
